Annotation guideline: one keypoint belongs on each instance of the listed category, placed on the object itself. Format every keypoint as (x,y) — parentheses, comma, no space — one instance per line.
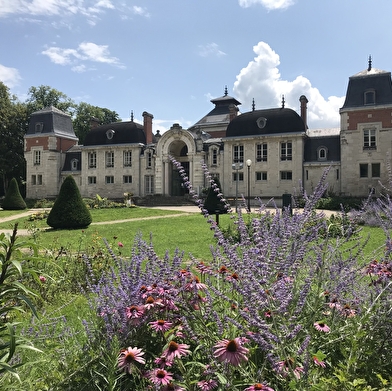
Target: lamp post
(249,163)
(236,167)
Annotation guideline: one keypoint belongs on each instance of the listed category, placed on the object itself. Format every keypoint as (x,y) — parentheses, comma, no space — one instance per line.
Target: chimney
(147,124)
(233,110)
(304,109)
(94,123)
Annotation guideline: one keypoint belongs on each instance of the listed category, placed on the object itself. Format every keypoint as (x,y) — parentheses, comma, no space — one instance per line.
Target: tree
(13,126)
(69,209)
(46,96)
(13,200)
(82,118)
(213,203)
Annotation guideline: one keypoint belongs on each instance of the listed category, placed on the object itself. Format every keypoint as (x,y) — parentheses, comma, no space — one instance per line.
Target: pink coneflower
(163,362)
(348,311)
(320,326)
(160,377)
(207,385)
(130,356)
(134,312)
(231,351)
(161,325)
(151,303)
(318,362)
(42,278)
(286,366)
(259,386)
(195,283)
(232,277)
(175,350)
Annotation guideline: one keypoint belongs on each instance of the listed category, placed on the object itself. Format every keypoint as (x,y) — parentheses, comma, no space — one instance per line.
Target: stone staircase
(162,200)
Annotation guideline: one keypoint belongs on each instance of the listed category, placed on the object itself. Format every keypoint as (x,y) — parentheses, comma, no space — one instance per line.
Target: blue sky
(171,57)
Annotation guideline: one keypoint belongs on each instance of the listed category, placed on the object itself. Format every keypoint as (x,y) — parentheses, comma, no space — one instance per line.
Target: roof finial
(226,91)
(370,64)
(132,115)
(253,104)
(282,101)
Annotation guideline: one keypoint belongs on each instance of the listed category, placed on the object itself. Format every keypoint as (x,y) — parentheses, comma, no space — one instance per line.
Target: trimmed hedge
(13,199)
(69,211)
(213,203)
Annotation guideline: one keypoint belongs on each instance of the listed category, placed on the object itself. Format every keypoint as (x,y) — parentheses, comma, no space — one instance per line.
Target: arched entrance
(179,150)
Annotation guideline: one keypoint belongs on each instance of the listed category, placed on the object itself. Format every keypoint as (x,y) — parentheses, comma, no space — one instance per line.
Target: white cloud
(261,80)
(9,76)
(269,4)
(86,51)
(211,49)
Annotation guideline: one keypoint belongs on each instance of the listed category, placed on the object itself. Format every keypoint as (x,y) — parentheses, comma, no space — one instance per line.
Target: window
(337,174)
(370,97)
(37,158)
(127,158)
(110,134)
(214,157)
(39,126)
(149,184)
(238,154)
(363,170)
(261,176)
(109,179)
(240,176)
(92,160)
(92,180)
(33,180)
(109,158)
(322,153)
(307,174)
(369,139)
(286,175)
(286,151)
(261,152)
(127,179)
(149,160)
(376,170)
(39,179)
(74,164)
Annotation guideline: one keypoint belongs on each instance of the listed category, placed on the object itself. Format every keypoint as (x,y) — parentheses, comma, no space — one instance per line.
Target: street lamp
(249,163)
(237,167)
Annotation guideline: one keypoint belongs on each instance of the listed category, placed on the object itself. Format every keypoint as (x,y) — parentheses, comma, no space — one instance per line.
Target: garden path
(188,209)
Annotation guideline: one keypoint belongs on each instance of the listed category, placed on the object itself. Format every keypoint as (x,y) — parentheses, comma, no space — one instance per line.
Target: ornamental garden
(268,299)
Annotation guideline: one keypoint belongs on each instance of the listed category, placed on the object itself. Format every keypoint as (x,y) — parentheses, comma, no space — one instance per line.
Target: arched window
(74,164)
(322,153)
(370,97)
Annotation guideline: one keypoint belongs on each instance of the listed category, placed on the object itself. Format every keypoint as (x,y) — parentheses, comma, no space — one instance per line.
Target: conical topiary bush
(13,199)
(69,210)
(213,203)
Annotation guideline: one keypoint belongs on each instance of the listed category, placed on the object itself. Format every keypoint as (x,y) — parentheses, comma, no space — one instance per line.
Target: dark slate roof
(53,120)
(69,157)
(312,144)
(220,113)
(127,132)
(265,122)
(369,79)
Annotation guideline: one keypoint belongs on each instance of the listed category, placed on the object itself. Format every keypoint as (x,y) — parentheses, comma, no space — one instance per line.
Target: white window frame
(109,159)
(127,158)
(286,150)
(92,160)
(238,153)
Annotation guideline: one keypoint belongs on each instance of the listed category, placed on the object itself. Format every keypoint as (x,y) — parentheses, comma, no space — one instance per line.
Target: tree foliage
(13,126)
(69,210)
(82,118)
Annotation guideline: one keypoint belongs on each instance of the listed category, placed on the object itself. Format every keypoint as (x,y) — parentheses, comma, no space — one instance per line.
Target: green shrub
(13,199)
(69,210)
(214,203)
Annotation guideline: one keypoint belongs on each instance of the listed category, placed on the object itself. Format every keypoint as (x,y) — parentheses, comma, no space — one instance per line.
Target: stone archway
(179,150)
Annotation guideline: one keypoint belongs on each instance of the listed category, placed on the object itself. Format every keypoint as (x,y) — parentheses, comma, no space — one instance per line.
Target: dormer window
(322,153)
(261,122)
(74,164)
(39,126)
(110,134)
(370,97)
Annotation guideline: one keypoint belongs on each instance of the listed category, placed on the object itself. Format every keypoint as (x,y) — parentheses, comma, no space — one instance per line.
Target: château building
(266,153)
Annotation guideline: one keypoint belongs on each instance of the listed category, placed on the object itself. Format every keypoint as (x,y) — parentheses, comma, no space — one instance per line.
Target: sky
(171,57)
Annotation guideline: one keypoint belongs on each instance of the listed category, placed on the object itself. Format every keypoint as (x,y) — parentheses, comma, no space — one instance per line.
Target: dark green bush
(213,203)
(13,199)
(69,210)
